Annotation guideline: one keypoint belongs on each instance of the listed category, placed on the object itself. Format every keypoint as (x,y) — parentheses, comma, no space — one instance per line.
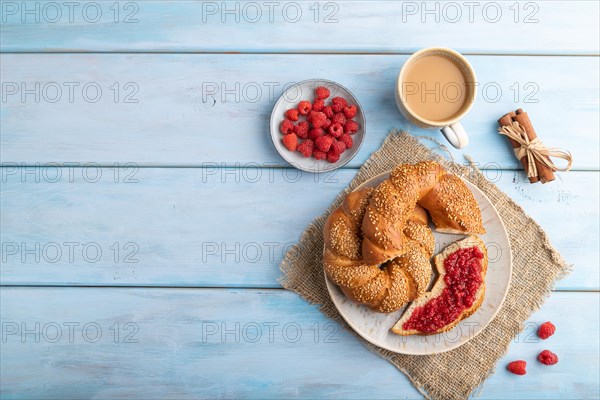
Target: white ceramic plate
(305,91)
(375,327)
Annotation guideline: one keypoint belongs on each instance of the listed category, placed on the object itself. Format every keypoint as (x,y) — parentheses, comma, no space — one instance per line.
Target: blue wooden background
(144,211)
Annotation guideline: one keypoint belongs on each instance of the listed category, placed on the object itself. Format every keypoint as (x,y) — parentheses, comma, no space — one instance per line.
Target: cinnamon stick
(507,119)
(545,174)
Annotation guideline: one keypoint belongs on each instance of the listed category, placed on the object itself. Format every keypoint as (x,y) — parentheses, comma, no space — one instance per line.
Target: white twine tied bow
(534,150)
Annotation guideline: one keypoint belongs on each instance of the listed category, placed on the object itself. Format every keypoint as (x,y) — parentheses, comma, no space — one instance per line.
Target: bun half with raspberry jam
(457,293)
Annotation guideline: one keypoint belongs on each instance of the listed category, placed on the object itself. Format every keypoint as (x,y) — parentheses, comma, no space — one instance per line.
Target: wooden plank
(220,227)
(190,110)
(539,27)
(185,343)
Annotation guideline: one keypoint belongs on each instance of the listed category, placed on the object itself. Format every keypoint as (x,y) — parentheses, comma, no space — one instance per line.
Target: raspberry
(286,127)
(546,330)
(338,147)
(292,114)
(338,118)
(290,141)
(350,111)
(547,357)
(338,104)
(351,127)
(317,119)
(518,367)
(318,105)
(306,147)
(322,93)
(319,155)
(301,130)
(315,133)
(327,124)
(304,107)
(332,157)
(347,139)
(328,111)
(324,143)
(336,130)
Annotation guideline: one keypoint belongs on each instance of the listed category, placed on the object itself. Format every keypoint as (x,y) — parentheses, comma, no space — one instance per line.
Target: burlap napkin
(536,267)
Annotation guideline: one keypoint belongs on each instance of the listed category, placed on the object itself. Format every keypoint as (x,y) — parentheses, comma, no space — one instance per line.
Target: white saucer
(305,91)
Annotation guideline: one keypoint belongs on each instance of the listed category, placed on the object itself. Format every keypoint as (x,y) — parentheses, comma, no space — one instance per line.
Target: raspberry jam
(463,279)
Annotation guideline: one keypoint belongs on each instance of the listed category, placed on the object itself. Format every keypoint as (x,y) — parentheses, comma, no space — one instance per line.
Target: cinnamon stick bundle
(544,173)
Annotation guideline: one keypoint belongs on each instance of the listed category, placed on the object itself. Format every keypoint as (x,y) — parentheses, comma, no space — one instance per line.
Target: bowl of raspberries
(317,125)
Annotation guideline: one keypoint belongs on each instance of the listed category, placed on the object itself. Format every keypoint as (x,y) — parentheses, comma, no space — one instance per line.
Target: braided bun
(378,244)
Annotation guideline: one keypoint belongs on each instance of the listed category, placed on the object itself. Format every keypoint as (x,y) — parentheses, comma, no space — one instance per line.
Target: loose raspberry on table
(351,127)
(315,133)
(546,330)
(518,367)
(338,118)
(319,155)
(292,114)
(306,148)
(338,104)
(301,129)
(322,93)
(332,156)
(318,105)
(336,130)
(347,140)
(324,143)
(290,141)
(350,111)
(317,119)
(304,107)
(328,111)
(547,357)
(286,127)
(327,124)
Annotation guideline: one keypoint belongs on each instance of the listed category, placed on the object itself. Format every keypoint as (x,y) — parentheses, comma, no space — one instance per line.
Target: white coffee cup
(451,128)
